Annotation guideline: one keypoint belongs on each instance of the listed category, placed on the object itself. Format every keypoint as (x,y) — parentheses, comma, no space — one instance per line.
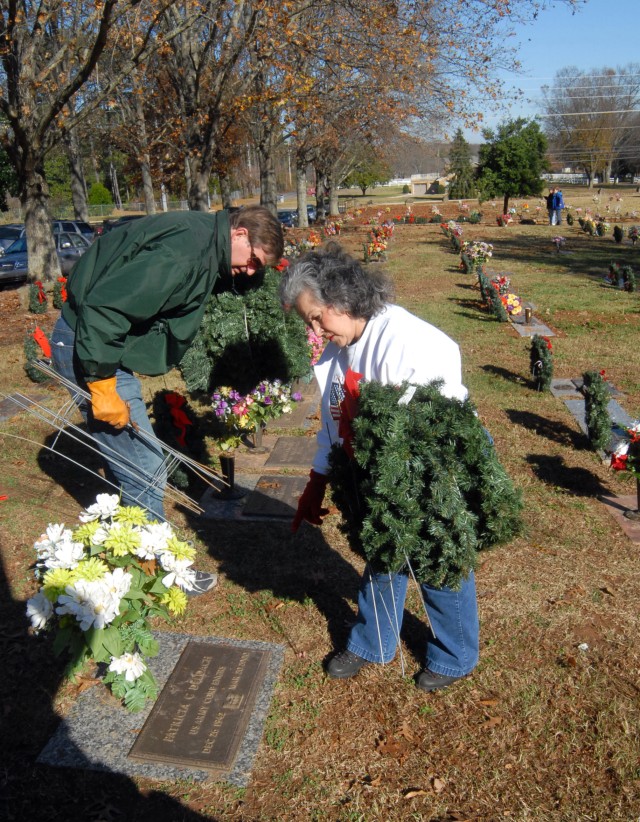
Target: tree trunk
(505,204)
(225,191)
(268,184)
(78,183)
(334,210)
(199,188)
(145,160)
(301,193)
(43,260)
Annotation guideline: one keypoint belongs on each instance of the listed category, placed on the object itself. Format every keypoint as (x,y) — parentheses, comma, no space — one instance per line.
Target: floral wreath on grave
(626,455)
(101,582)
(596,401)
(501,284)
(177,425)
(424,487)
(37,298)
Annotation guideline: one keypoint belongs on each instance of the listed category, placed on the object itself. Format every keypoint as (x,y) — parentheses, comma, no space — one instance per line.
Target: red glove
(310,502)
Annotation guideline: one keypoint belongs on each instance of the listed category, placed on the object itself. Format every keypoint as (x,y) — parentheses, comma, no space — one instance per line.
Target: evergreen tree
(462,185)
(512,161)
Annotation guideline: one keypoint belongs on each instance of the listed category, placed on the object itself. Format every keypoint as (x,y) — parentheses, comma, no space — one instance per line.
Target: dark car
(312,214)
(14,264)
(109,225)
(74,226)
(9,234)
(288,218)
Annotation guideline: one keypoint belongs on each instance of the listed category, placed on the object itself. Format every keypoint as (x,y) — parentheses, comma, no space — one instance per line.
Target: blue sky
(603,33)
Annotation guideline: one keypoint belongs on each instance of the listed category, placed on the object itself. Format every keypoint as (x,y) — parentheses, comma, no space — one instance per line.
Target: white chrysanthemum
(52,536)
(180,571)
(155,538)
(131,665)
(100,535)
(116,584)
(39,610)
(91,602)
(104,507)
(64,555)
(635,427)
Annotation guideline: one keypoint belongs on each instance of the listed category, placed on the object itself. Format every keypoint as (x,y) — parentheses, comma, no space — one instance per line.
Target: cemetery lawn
(548,725)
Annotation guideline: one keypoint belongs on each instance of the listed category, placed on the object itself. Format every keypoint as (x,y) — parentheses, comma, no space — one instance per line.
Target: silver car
(14,263)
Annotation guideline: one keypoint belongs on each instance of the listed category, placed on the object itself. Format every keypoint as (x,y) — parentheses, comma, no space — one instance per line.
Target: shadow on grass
(551,429)
(553,471)
(296,567)
(505,374)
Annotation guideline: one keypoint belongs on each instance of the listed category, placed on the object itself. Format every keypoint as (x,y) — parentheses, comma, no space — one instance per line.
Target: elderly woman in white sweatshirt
(371,339)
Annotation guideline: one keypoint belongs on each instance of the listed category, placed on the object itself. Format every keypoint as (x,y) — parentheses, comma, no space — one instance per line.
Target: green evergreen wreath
(245,339)
(426,486)
(182,433)
(32,351)
(541,362)
(598,421)
(629,277)
(38,303)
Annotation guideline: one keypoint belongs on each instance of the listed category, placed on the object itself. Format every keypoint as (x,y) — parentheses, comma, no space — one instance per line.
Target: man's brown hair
(263,228)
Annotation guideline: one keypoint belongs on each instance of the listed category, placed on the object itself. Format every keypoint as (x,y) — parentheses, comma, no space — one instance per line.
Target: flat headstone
(300,416)
(616,506)
(221,692)
(275,496)
(531,329)
(292,452)
(12,404)
(564,388)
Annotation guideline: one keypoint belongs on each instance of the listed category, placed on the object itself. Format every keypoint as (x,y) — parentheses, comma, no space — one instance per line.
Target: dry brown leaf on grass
(390,746)
(491,722)
(410,793)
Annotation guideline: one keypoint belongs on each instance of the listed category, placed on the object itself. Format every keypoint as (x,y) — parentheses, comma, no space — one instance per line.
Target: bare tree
(590,117)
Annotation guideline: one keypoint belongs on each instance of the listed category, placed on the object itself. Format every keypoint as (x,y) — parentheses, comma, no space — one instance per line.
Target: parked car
(288,218)
(9,234)
(74,226)
(109,225)
(312,214)
(14,264)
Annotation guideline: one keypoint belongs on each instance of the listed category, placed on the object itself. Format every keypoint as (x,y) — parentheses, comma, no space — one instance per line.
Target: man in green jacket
(135,302)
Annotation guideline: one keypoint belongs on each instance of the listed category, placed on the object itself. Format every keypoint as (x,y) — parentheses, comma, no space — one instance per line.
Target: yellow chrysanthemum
(181,549)
(84,533)
(122,540)
(92,569)
(131,515)
(55,581)
(176,600)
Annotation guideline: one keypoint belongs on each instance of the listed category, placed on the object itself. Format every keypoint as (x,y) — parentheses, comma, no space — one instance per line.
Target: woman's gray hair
(335,278)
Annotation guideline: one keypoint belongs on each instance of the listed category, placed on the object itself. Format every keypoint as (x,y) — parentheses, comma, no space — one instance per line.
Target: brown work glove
(310,502)
(106,403)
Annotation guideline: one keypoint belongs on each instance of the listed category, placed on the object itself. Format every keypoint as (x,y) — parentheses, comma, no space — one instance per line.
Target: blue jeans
(133,464)
(452,649)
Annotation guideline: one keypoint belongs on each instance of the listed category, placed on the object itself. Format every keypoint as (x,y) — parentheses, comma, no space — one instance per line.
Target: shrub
(406,189)
(570,218)
(99,195)
(475,217)
(618,233)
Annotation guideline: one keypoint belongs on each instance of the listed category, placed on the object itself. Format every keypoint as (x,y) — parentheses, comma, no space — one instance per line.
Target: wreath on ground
(425,485)
(176,424)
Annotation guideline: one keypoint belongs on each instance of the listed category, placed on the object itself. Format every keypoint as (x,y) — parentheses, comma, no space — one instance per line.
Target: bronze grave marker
(275,496)
(204,708)
(292,452)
